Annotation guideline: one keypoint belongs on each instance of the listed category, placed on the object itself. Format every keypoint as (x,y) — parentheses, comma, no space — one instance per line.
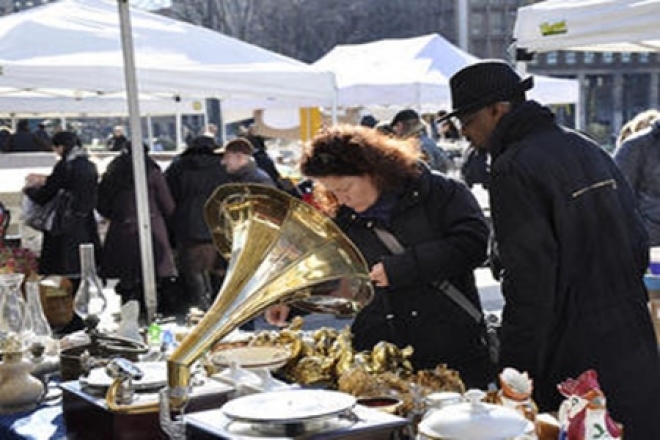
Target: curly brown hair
(352,150)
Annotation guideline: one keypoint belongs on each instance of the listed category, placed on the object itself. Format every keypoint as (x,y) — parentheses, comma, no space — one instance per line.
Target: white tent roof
(75,46)
(414,72)
(589,25)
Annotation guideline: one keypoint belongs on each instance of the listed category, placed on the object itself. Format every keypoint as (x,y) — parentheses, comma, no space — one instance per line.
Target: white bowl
(249,357)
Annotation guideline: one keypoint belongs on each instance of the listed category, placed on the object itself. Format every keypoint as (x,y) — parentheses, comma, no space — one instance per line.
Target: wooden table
(86,416)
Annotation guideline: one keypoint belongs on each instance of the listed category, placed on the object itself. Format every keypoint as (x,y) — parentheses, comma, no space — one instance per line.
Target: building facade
(614,87)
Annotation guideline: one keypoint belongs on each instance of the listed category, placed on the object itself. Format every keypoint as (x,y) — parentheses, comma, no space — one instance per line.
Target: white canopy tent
(589,25)
(75,46)
(414,72)
(93,48)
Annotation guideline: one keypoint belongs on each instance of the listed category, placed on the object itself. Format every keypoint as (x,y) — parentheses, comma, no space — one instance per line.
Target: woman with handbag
(421,233)
(76,176)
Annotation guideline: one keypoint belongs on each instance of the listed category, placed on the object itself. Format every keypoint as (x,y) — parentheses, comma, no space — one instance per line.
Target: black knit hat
(483,83)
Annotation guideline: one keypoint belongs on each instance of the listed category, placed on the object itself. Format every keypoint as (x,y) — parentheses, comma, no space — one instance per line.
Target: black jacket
(121,257)
(573,251)
(24,141)
(442,227)
(192,177)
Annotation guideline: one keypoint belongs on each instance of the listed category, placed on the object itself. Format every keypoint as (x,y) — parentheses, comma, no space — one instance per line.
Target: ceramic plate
(288,406)
(252,357)
(155,376)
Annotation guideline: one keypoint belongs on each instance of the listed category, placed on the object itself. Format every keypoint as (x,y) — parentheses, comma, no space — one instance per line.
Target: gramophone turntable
(293,414)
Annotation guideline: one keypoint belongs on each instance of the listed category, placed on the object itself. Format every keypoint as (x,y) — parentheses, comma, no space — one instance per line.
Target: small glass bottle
(12,313)
(89,301)
(41,332)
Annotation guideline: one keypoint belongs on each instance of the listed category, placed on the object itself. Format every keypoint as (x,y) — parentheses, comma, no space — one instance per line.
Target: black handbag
(51,216)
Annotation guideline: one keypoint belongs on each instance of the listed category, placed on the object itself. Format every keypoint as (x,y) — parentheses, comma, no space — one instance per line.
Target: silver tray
(288,406)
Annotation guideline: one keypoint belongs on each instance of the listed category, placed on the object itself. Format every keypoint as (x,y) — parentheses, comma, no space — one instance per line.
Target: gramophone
(280,250)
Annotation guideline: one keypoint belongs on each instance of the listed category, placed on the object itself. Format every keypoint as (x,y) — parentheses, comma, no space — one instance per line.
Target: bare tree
(307,29)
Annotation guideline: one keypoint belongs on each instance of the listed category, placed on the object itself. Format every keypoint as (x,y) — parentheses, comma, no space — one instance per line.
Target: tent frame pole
(139,169)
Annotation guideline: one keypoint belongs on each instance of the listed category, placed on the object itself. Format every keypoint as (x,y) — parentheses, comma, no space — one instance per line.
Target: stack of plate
(252,357)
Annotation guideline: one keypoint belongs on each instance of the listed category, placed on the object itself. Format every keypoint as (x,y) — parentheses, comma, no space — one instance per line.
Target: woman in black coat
(121,256)
(378,182)
(77,174)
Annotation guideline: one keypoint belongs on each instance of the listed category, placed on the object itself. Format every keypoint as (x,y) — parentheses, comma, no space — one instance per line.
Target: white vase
(19,390)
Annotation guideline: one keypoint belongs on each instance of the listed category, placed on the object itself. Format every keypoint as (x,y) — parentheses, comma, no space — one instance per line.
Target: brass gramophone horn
(280,249)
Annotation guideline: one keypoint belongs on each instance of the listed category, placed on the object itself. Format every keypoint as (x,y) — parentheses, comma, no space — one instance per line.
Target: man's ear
(499,109)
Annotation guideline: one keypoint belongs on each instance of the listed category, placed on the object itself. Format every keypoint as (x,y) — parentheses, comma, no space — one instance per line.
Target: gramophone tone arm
(119,396)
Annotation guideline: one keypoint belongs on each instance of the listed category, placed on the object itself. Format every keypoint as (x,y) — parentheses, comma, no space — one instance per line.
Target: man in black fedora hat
(570,250)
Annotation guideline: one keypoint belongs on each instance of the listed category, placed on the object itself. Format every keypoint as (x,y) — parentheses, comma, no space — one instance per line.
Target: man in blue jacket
(639,160)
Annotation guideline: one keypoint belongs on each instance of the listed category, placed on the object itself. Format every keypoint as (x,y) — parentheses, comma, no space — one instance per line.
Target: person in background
(43,137)
(238,159)
(121,256)
(266,163)
(75,173)
(368,121)
(407,124)
(570,250)
(211,131)
(384,127)
(192,177)
(638,157)
(117,140)
(5,133)
(23,140)
(447,130)
(260,155)
(373,182)
(474,169)
(639,122)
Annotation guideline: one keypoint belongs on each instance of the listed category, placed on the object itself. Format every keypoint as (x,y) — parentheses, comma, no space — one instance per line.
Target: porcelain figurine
(583,415)
(516,393)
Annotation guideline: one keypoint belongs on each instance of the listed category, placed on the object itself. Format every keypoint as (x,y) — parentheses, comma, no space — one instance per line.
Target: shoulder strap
(395,246)
(389,240)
